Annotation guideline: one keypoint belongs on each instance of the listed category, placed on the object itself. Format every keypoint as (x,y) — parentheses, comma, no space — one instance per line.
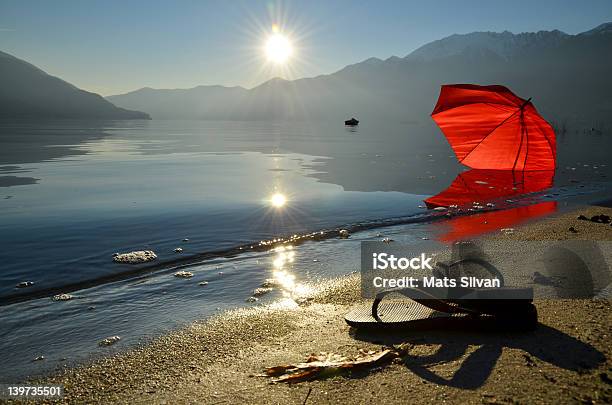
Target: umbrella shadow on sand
(544,344)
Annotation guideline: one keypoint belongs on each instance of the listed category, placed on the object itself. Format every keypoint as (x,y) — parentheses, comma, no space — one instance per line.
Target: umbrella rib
(518,153)
(487,135)
(512,101)
(527,147)
(549,144)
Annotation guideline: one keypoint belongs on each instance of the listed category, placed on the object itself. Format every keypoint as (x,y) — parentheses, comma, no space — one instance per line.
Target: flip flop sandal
(492,301)
(400,314)
(425,309)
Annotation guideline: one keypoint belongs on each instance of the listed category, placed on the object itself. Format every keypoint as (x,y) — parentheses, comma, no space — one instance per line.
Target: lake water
(74,193)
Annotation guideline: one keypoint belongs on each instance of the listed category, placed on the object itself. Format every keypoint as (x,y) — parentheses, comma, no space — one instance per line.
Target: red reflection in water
(467,227)
(484,186)
(490,185)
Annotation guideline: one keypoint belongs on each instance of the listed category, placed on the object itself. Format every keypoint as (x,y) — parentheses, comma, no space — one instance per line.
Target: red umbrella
(490,185)
(489,127)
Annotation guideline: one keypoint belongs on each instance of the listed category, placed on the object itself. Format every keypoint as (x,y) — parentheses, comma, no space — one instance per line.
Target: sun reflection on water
(282,260)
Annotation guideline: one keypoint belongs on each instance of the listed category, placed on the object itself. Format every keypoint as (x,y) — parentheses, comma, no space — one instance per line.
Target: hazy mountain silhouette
(568,77)
(185,103)
(505,44)
(28,92)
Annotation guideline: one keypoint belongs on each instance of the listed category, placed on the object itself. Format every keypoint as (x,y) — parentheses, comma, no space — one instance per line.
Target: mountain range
(567,76)
(29,93)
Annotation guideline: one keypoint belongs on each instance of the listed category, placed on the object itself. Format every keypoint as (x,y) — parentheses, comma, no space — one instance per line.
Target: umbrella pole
(518,152)
(524,133)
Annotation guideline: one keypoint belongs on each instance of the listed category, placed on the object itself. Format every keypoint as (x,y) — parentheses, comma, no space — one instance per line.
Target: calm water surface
(73,193)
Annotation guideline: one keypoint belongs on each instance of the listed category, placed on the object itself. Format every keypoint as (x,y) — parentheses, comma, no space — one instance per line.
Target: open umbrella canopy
(489,127)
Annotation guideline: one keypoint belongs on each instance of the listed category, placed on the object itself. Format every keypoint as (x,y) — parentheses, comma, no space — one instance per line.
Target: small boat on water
(352,122)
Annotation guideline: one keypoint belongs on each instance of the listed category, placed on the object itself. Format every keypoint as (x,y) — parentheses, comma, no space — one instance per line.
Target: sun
(278,48)
(278,200)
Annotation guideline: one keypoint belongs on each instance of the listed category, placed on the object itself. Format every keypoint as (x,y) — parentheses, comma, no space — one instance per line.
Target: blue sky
(112,47)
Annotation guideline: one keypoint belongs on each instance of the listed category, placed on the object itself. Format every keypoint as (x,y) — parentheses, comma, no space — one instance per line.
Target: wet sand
(567,359)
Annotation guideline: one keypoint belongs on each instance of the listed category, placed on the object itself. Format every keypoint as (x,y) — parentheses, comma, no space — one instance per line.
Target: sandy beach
(565,360)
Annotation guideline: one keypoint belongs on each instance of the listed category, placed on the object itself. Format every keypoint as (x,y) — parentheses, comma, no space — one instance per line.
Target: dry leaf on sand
(326,364)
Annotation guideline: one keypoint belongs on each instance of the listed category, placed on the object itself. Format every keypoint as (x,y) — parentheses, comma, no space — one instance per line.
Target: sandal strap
(423,297)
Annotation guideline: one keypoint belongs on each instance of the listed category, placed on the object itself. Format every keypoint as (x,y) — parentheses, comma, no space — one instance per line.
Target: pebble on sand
(139,256)
(258,292)
(602,219)
(62,297)
(270,283)
(109,341)
(25,284)
(183,274)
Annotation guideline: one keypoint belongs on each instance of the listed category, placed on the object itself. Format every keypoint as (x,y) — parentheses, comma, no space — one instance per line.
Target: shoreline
(215,360)
(197,258)
(168,266)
